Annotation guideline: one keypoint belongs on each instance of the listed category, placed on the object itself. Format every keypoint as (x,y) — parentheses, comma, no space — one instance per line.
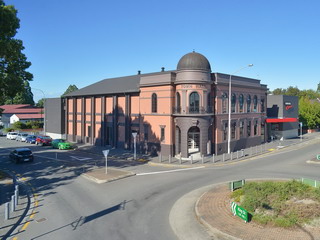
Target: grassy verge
(282,204)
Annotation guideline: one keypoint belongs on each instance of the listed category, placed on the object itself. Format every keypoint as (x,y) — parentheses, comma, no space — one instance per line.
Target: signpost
(239,211)
(105,153)
(300,131)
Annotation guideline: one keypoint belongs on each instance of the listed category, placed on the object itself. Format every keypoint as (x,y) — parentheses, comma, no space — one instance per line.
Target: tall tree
(13,63)
(292,91)
(24,97)
(40,103)
(70,89)
(279,91)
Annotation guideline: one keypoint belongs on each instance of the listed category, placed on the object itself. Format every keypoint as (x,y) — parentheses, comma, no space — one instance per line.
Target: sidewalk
(7,227)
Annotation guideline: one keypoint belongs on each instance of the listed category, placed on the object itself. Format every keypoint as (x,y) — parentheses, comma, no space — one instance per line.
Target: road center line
(169,171)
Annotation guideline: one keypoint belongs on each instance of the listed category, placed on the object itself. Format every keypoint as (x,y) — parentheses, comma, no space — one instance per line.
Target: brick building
(179,112)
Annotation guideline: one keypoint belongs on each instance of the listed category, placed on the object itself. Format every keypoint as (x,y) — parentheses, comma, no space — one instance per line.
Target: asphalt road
(71,207)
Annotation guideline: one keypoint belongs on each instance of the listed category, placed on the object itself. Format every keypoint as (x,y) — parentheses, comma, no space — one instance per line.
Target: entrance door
(193,140)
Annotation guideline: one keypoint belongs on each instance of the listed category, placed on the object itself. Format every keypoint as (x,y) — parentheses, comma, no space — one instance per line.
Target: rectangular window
(249,129)
(225,131)
(241,128)
(233,130)
(255,128)
(162,134)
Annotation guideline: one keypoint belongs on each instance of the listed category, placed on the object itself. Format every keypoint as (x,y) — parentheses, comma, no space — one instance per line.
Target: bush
(277,203)
(18,125)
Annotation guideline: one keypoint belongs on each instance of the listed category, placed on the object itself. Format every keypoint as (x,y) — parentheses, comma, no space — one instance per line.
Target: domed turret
(194,61)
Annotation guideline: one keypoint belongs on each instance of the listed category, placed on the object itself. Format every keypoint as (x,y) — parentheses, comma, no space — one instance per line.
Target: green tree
(318,88)
(309,112)
(70,89)
(24,97)
(13,63)
(279,91)
(40,103)
(292,91)
(18,125)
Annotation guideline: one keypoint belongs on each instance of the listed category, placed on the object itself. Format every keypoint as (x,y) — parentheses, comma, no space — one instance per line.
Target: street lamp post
(229,106)
(43,109)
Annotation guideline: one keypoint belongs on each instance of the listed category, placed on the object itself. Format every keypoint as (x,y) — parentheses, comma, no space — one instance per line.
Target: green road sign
(318,157)
(239,211)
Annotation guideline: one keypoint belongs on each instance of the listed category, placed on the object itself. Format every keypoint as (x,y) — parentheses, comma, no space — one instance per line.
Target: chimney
(162,69)
(139,72)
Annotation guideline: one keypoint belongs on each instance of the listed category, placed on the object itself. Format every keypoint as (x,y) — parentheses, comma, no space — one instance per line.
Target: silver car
(12,135)
(22,137)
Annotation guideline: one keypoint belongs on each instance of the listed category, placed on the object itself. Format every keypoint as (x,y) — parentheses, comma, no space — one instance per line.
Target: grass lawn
(282,204)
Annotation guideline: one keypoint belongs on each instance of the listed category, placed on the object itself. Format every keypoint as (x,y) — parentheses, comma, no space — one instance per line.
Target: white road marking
(169,171)
(80,158)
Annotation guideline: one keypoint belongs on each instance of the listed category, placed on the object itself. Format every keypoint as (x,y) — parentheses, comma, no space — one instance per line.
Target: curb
(99,181)
(15,229)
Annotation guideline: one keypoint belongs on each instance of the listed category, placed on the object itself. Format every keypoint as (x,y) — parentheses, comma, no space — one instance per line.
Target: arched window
(255,103)
(249,103)
(154,103)
(224,102)
(233,102)
(178,104)
(194,102)
(241,101)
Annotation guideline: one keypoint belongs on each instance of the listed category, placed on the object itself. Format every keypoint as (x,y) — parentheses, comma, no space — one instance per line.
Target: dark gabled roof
(110,85)
(128,84)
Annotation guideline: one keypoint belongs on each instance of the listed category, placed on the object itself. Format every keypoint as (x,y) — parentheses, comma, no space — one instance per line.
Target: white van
(12,135)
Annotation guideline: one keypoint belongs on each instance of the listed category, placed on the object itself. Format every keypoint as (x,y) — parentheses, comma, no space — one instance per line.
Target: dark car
(43,140)
(21,155)
(31,139)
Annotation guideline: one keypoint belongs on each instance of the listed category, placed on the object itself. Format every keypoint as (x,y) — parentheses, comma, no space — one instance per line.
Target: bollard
(212,158)
(202,158)
(191,159)
(237,154)
(223,157)
(257,149)
(12,204)
(160,157)
(180,160)
(7,211)
(16,198)
(242,152)
(231,156)
(261,148)
(170,158)
(250,151)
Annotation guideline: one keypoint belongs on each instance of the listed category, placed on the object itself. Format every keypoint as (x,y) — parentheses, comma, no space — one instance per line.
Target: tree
(24,97)
(292,91)
(40,103)
(279,91)
(318,88)
(70,89)
(309,112)
(13,63)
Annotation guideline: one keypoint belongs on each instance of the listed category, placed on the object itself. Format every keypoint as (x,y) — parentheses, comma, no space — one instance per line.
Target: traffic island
(214,211)
(100,176)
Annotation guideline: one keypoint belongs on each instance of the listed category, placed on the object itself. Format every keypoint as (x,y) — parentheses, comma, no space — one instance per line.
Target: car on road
(43,140)
(31,139)
(12,135)
(21,155)
(61,144)
(21,137)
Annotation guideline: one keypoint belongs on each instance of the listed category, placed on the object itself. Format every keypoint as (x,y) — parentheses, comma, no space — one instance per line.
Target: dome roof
(194,61)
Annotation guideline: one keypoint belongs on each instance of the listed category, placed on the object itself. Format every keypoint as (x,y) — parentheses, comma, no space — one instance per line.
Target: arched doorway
(193,140)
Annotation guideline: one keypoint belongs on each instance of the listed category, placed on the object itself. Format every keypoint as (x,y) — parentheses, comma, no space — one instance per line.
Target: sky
(81,42)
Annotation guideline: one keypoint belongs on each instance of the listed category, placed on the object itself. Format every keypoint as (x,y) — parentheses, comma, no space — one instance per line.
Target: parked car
(21,155)
(31,139)
(61,144)
(43,140)
(12,135)
(21,137)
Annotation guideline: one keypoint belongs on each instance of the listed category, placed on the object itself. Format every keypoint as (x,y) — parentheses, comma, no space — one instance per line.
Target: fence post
(191,159)
(232,186)
(237,154)
(16,197)
(170,158)
(160,157)
(212,158)
(231,156)
(180,160)
(7,211)
(250,151)
(223,157)
(202,159)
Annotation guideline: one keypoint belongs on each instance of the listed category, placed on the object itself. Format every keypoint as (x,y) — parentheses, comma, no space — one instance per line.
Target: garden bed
(281,204)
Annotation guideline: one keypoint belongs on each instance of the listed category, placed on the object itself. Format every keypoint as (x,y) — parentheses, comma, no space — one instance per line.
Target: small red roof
(20,108)
(30,116)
